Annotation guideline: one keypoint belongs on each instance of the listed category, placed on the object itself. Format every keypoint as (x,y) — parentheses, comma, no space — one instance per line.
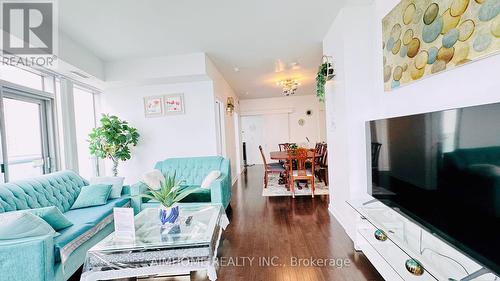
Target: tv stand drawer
(396,258)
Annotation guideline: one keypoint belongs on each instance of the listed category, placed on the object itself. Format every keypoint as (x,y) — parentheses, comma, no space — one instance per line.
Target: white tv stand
(400,249)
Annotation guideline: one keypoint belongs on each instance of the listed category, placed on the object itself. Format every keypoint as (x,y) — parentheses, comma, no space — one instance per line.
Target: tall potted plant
(113,140)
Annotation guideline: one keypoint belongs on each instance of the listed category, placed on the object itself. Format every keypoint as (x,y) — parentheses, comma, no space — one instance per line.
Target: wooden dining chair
(271,168)
(321,171)
(301,173)
(319,151)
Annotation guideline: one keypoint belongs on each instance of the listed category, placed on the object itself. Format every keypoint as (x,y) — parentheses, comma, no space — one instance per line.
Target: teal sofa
(191,171)
(38,253)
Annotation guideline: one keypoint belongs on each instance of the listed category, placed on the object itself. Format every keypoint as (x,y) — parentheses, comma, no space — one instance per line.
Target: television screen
(442,169)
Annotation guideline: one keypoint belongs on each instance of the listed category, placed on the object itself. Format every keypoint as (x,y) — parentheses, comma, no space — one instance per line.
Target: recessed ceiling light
(236,69)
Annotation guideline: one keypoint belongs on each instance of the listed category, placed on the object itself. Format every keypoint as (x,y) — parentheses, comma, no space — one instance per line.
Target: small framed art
(153,106)
(174,104)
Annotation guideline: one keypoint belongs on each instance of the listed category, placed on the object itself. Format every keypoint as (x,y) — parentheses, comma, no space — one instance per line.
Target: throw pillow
(210,178)
(117,182)
(17,225)
(92,195)
(52,216)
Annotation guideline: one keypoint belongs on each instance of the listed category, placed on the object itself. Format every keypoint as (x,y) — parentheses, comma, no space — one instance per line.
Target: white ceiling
(260,37)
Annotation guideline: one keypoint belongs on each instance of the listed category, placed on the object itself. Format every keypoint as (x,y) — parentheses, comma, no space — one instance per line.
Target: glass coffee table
(193,248)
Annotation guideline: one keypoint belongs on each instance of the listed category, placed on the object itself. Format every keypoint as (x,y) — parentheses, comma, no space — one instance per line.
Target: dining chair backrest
(318,147)
(284,146)
(301,155)
(320,150)
(263,156)
(324,159)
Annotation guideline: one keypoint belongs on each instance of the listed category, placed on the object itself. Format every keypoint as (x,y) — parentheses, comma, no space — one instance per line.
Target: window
(85,121)
(27,133)
(47,119)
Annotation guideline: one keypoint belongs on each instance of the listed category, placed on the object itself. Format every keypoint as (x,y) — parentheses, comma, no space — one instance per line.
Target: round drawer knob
(414,267)
(380,235)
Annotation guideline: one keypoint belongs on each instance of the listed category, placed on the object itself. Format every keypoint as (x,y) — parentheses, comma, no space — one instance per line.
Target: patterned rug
(276,189)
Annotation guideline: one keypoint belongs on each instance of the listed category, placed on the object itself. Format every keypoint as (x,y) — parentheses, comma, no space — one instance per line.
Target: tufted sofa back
(194,169)
(58,189)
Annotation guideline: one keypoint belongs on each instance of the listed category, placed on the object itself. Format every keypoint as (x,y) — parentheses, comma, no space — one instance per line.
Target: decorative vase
(169,221)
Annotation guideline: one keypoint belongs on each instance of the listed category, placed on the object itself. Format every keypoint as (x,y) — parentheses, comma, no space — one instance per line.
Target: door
(267,130)
(24,136)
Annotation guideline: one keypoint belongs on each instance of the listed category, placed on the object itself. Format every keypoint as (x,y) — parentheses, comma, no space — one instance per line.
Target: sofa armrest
(135,199)
(26,243)
(220,190)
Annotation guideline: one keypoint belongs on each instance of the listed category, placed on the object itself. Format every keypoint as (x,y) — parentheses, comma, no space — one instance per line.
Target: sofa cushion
(84,221)
(210,178)
(116,182)
(52,216)
(17,225)
(202,195)
(92,195)
(58,189)
(191,170)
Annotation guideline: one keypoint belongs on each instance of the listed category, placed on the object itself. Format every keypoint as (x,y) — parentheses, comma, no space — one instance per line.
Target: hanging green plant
(321,81)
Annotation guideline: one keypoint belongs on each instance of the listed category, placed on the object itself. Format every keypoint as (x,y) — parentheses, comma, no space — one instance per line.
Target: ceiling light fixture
(289,86)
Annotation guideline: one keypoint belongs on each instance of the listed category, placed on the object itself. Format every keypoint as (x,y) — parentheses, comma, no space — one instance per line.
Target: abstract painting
(424,37)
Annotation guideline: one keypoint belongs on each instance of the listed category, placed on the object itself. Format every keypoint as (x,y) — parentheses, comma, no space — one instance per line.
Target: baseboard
(236,178)
(337,216)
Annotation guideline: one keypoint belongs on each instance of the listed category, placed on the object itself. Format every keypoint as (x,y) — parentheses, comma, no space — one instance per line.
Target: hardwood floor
(282,230)
(287,229)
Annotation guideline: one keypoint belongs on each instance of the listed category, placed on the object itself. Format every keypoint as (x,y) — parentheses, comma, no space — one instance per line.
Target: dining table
(283,155)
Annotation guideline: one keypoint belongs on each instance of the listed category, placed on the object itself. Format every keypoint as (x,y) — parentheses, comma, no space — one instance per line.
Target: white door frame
(220,128)
(237,136)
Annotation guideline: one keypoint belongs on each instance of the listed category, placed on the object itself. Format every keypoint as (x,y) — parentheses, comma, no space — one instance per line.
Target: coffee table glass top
(199,231)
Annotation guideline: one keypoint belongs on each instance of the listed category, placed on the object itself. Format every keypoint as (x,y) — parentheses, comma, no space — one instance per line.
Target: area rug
(276,189)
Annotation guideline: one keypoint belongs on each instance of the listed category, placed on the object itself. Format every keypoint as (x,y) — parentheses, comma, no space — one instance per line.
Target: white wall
(296,106)
(357,95)
(222,90)
(166,67)
(79,57)
(184,135)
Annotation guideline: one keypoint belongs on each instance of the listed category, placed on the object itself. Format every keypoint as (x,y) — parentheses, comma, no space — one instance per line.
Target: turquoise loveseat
(40,253)
(191,171)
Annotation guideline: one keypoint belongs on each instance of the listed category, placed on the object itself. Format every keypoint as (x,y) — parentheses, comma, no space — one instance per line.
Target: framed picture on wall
(174,104)
(153,106)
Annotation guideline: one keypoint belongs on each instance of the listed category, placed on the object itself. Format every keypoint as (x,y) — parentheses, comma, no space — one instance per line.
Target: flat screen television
(442,169)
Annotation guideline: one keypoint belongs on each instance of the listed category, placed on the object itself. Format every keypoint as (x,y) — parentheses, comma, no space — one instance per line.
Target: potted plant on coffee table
(168,192)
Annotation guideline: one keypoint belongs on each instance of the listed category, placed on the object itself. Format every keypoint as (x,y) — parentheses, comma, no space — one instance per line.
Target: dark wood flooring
(283,230)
